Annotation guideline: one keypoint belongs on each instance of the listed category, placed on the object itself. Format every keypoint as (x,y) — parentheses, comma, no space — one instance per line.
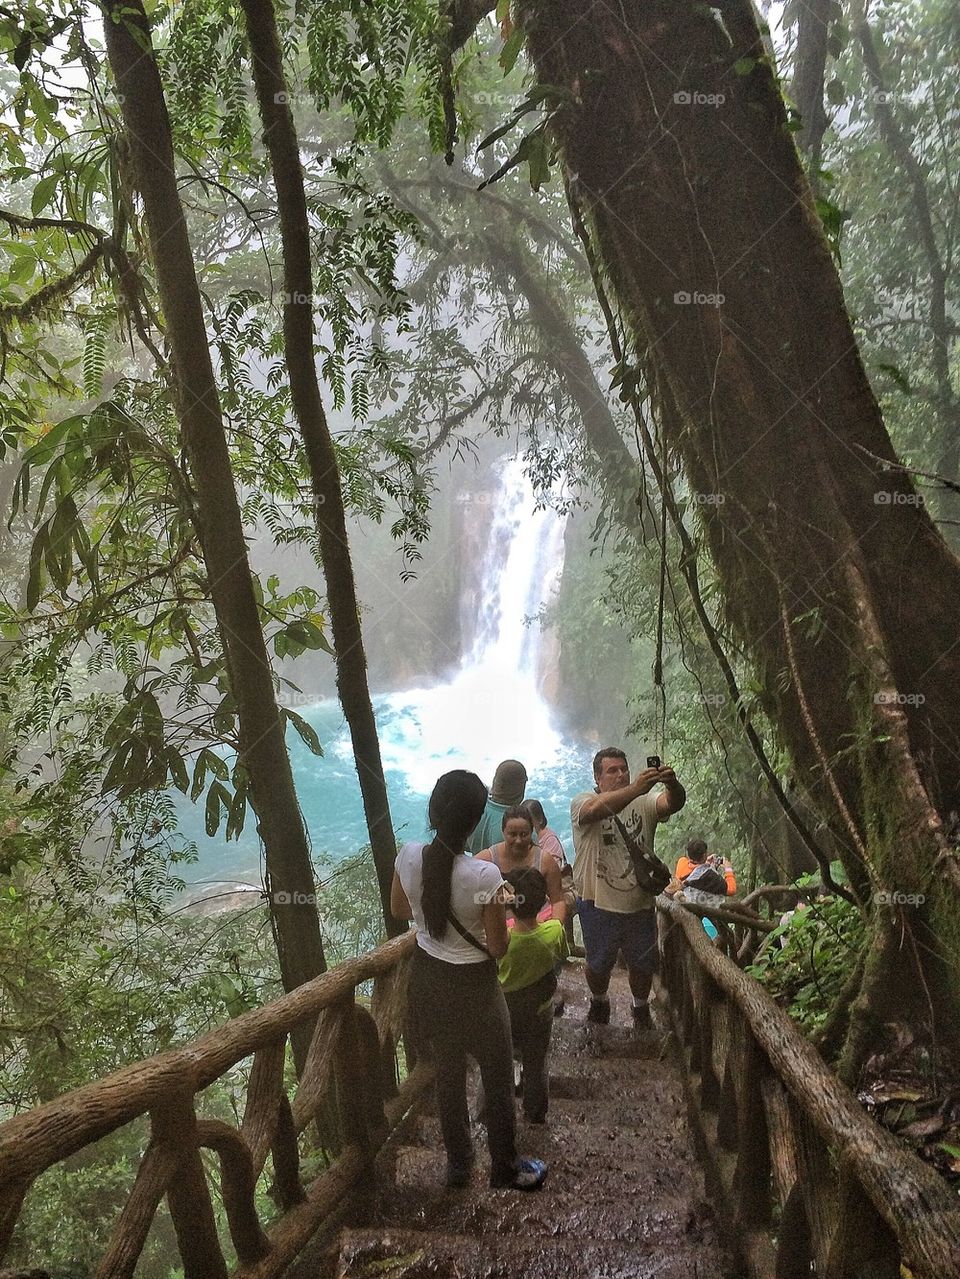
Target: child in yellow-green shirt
(528,978)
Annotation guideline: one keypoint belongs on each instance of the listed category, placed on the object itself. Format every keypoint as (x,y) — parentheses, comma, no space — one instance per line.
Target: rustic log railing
(806,1182)
(741,931)
(351,1056)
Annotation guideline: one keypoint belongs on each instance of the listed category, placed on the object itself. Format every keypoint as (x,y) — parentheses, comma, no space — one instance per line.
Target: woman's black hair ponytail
(456,805)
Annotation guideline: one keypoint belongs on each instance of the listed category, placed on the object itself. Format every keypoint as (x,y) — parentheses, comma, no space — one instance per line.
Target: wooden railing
(806,1182)
(351,1057)
(741,930)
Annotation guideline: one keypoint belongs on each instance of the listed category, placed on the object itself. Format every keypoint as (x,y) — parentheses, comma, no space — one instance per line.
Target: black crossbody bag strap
(652,875)
(452,919)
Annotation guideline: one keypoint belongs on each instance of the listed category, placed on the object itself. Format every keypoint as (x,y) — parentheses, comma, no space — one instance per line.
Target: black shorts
(607,932)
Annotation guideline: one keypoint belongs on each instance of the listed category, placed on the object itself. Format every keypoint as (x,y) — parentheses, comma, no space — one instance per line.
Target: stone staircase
(624,1196)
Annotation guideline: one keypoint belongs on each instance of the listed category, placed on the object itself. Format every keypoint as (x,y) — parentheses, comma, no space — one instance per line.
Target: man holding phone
(615,913)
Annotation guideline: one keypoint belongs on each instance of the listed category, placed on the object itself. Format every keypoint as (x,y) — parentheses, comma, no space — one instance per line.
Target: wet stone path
(624,1196)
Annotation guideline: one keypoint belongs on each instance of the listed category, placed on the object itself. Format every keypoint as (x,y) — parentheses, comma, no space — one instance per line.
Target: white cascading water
(492,709)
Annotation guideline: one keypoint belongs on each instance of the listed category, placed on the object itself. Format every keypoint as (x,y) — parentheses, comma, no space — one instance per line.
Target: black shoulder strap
(628,839)
(451,918)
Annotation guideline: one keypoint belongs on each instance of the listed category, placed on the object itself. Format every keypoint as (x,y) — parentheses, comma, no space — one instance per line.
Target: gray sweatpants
(459,1011)
(531,1024)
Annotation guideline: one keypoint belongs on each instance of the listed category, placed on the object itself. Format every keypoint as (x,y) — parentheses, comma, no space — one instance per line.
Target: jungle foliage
(456,315)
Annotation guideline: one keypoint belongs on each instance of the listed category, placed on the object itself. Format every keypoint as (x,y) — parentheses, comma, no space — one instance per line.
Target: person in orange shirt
(696,856)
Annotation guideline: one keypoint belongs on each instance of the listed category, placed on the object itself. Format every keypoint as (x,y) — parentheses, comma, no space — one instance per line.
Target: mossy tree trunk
(835,576)
(262,747)
(280,137)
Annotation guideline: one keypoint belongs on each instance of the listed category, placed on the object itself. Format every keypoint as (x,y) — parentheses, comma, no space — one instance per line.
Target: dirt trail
(624,1196)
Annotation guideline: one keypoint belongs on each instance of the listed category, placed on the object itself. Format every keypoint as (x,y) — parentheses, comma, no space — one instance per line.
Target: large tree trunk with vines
(281,140)
(832,572)
(262,747)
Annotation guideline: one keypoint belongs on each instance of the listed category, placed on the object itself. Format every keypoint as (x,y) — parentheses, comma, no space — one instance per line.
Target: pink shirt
(550,843)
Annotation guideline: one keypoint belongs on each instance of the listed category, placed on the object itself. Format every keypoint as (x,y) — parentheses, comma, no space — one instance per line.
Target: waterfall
(492,708)
(520,571)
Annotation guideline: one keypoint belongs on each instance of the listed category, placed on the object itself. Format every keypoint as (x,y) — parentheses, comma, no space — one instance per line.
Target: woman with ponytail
(457,904)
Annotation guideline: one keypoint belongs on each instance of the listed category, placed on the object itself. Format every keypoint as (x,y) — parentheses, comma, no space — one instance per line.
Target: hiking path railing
(350,1057)
(805,1181)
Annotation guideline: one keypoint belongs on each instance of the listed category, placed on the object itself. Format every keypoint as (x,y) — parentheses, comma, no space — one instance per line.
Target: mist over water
(491,709)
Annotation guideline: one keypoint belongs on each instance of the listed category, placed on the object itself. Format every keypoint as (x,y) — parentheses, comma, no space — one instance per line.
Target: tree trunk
(813,27)
(280,137)
(678,148)
(947,454)
(262,749)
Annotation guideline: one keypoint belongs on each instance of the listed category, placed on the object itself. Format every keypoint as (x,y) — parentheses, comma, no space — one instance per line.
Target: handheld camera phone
(653,761)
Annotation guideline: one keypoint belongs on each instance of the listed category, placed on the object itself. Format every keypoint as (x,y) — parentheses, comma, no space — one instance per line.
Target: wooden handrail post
(238,1181)
(751,1182)
(11,1201)
(188,1195)
(157,1168)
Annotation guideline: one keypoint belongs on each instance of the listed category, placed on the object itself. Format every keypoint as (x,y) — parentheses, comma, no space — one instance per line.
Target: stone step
(581,1132)
(633,1201)
(413,1254)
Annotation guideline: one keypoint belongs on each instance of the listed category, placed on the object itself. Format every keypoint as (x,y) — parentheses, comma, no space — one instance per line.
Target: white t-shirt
(602,870)
(473,885)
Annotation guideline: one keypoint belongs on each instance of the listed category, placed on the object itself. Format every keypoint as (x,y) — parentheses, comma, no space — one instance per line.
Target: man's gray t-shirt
(602,870)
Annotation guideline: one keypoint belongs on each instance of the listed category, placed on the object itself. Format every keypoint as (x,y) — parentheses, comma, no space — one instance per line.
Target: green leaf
(21,54)
(22,269)
(134,772)
(117,770)
(836,93)
(43,193)
(177,769)
(503,10)
(898,376)
(511,49)
(307,733)
(45,447)
(743,66)
(199,775)
(538,160)
(218,797)
(35,572)
(238,810)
